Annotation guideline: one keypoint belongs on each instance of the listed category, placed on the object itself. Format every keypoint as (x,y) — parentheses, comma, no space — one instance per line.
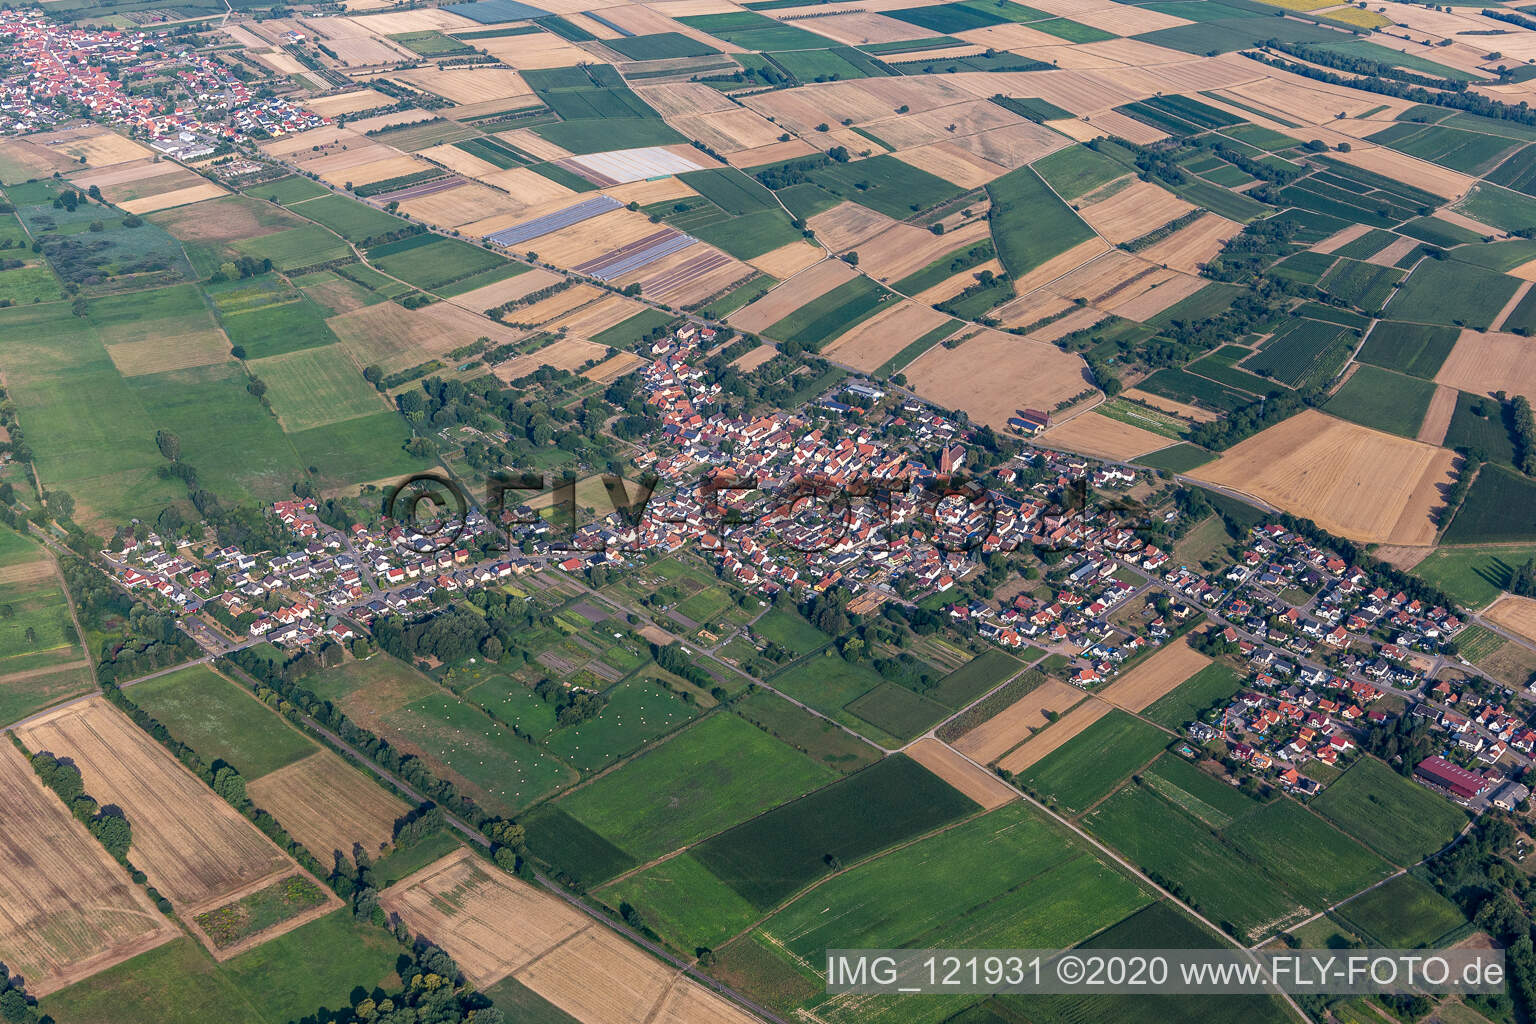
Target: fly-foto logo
(803,514)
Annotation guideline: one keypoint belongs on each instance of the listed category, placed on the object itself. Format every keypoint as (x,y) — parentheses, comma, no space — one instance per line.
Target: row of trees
(108,824)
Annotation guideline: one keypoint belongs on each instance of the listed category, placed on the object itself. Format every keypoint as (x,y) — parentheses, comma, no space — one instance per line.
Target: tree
(169,445)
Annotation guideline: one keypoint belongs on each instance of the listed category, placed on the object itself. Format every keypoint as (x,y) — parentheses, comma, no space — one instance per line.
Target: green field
(316,386)
(685,904)
(775,854)
(1415,349)
(1454,293)
(885,184)
(975,678)
(1403,913)
(295,322)
(430,262)
(1291,355)
(1203,871)
(310,970)
(350,219)
(1474,576)
(1397,817)
(897,710)
(297,247)
(637,712)
(1305,854)
(1159,926)
(1216,682)
(706,778)
(1094,761)
(1500,507)
(1379,398)
(789,630)
(830,315)
(221,721)
(811,735)
(1029,223)
(829,684)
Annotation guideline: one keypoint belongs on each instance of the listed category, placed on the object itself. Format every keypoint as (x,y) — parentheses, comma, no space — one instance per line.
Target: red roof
(1442,773)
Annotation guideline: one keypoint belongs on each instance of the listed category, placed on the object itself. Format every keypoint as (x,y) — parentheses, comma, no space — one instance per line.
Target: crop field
(1029,714)
(1404,913)
(329,806)
(1322,468)
(1451,292)
(1094,761)
(1383,400)
(1332,866)
(1029,223)
(686,905)
(496,926)
(70,910)
(1155,677)
(1390,814)
(1415,349)
(705,779)
(1481,364)
(197,849)
(1208,874)
(770,857)
(817,738)
(1497,510)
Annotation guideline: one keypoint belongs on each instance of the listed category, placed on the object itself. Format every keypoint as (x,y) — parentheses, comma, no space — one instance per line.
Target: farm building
(1457,781)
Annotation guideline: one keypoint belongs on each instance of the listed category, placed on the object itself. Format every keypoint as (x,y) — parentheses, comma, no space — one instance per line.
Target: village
(1324,647)
(61,67)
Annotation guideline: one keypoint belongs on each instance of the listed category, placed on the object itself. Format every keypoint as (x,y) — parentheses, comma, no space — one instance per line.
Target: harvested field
(196,849)
(565,354)
(1437,420)
(769,153)
(492,926)
(755,358)
(178,197)
(1341,238)
(1400,166)
(847,224)
(954,163)
(454,207)
(557,305)
(1002,732)
(592,238)
(1351,480)
(862,27)
(534,51)
(902,249)
(791,295)
(534,145)
(366,166)
(1060,266)
(1156,677)
(1055,735)
(884,335)
(1189,412)
(613,367)
(328,806)
(975,782)
(1103,437)
(228,220)
(683,99)
(354,43)
(608,311)
(157,355)
(1150,303)
(396,338)
(1134,211)
(787,261)
(98,146)
(67,909)
(688,277)
(142,188)
(1189,248)
(1112,122)
(348,102)
(1516,614)
(1485,362)
(455,159)
(124,174)
(493,295)
(21,159)
(1011,146)
(496,926)
(467,85)
(369,124)
(994,374)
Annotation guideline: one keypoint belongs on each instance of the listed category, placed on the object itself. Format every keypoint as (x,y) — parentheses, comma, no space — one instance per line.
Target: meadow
(1403,913)
(1384,400)
(637,711)
(1029,223)
(219,720)
(1212,684)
